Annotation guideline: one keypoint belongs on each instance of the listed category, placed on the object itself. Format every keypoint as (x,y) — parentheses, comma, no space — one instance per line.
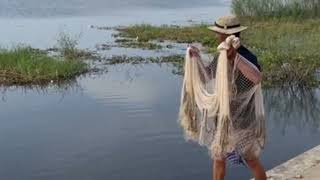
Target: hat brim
(227,31)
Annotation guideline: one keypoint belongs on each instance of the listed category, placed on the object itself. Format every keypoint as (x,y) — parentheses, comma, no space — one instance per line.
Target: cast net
(220,108)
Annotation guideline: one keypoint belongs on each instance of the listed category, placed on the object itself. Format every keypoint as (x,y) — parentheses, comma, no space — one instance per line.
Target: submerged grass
(131,43)
(24,65)
(174,60)
(146,33)
(286,48)
(143,60)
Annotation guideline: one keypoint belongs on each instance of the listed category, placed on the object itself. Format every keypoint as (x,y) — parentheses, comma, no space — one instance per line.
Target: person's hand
(233,41)
(193,51)
(230,39)
(236,43)
(231,53)
(223,46)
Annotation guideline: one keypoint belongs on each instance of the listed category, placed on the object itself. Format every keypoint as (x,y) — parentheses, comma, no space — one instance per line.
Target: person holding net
(222,104)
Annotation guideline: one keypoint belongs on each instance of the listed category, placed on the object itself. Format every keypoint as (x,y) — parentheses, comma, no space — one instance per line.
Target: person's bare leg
(257,169)
(219,169)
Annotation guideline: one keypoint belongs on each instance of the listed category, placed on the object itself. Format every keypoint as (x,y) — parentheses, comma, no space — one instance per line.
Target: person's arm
(246,62)
(250,69)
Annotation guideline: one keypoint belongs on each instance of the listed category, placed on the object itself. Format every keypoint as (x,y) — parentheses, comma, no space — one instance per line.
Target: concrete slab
(305,166)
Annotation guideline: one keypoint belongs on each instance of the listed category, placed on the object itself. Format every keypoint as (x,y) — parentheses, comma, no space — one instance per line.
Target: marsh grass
(25,66)
(67,46)
(277,8)
(287,49)
(145,33)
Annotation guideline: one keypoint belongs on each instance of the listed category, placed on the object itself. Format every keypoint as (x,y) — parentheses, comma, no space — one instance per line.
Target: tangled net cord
(213,101)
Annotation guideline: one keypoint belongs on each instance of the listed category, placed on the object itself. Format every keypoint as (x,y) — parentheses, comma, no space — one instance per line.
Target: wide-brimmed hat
(227,25)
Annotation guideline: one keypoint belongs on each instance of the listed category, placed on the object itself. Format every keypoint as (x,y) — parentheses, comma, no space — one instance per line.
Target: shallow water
(122,125)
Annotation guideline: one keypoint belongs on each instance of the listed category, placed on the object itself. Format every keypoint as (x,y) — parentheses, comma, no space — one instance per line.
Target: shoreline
(304,166)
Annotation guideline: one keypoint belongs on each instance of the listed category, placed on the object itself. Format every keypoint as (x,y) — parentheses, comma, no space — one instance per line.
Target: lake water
(61,8)
(122,124)
(38,23)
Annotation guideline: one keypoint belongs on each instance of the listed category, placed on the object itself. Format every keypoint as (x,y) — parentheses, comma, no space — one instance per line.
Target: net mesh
(220,108)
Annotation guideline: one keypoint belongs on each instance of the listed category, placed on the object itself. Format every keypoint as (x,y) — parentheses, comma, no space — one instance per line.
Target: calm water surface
(122,124)
(38,23)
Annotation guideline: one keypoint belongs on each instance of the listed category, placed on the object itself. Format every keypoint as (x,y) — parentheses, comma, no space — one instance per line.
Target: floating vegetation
(136,44)
(142,60)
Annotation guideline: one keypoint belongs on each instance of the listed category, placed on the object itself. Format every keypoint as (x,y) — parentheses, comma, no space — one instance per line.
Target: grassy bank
(287,49)
(24,65)
(277,8)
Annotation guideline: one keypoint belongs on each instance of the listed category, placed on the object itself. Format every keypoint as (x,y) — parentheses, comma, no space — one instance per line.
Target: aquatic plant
(67,47)
(24,65)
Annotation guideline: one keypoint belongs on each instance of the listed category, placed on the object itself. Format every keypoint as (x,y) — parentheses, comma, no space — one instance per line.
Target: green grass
(25,66)
(146,33)
(277,8)
(286,48)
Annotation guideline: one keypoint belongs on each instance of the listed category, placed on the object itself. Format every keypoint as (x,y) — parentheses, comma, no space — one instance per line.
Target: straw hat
(227,25)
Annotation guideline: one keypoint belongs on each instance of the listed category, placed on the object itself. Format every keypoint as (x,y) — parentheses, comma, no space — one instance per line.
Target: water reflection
(63,88)
(86,132)
(290,106)
(285,107)
(298,107)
